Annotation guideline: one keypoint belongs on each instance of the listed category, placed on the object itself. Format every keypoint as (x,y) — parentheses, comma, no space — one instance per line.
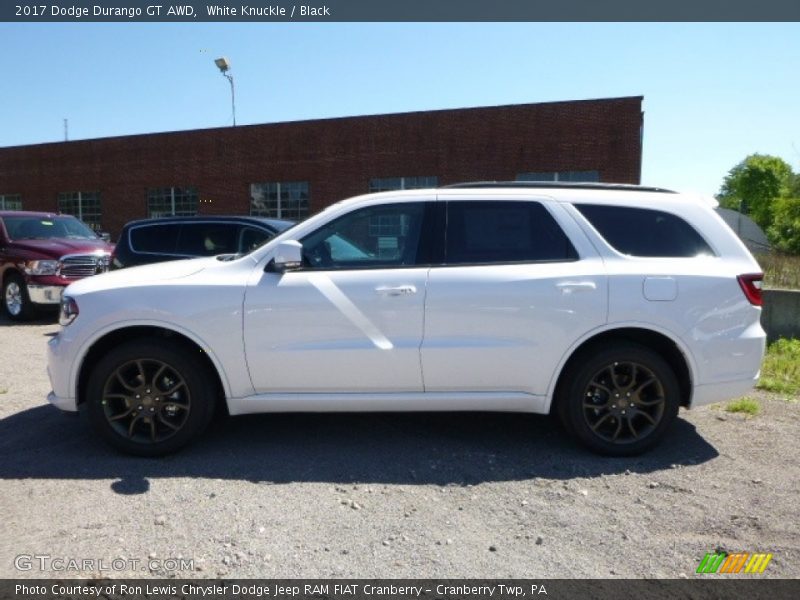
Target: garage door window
(172,202)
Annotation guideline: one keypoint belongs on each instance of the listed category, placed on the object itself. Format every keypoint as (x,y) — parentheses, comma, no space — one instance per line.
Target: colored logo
(740,562)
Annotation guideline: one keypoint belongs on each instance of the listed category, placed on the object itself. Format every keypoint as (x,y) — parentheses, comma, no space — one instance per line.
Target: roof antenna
(66,130)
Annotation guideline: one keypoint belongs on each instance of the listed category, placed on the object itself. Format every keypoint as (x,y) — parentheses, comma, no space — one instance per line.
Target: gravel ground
(467,495)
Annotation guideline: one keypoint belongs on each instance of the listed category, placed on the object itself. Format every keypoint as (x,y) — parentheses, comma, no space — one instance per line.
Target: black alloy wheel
(149,398)
(619,401)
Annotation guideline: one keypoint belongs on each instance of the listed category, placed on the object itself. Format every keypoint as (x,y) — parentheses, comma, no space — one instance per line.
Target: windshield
(46,228)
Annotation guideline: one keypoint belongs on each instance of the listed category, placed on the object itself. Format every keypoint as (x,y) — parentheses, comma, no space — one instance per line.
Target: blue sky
(713,93)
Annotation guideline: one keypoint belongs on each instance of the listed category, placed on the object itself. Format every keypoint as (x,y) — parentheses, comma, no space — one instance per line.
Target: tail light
(751,286)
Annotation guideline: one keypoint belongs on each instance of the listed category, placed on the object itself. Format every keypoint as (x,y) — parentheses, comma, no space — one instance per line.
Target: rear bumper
(719,392)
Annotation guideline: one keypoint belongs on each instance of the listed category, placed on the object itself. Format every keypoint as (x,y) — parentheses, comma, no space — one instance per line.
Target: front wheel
(619,401)
(149,398)
(16,302)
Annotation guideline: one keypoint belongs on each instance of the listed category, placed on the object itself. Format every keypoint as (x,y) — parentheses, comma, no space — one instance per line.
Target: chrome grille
(83,265)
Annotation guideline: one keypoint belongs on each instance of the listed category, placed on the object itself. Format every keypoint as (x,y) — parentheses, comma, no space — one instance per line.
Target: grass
(781,271)
(780,371)
(744,405)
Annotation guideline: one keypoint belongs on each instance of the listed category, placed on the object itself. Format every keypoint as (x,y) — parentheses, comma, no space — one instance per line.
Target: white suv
(611,305)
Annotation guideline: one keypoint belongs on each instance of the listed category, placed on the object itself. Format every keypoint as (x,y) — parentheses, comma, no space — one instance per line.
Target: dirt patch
(466,495)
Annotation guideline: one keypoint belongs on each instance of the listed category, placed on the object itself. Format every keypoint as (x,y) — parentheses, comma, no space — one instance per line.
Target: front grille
(84,265)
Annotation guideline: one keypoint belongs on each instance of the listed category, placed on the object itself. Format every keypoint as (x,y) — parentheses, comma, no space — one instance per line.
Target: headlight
(41,267)
(69,310)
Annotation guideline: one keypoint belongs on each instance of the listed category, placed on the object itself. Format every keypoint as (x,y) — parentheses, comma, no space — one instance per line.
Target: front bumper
(59,365)
(45,294)
(65,404)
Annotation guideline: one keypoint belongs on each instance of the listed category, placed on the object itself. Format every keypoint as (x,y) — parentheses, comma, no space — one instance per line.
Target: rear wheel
(149,398)
(619,401)
(16,302)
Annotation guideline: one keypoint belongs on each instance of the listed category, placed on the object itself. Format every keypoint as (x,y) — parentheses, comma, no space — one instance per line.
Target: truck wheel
(619,401)
(149,398)
(16,302)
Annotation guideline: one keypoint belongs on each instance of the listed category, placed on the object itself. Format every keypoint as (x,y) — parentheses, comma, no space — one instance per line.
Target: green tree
(794,185)
(784,233)
(754,184)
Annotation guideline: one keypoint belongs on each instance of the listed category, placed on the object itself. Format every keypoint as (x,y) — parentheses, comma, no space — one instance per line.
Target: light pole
(224,66)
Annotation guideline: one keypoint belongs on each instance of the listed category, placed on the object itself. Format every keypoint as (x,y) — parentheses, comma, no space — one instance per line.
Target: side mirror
(104,235)
(288,256)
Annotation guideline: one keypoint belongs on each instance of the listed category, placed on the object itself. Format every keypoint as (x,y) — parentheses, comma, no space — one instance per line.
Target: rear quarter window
(645,232)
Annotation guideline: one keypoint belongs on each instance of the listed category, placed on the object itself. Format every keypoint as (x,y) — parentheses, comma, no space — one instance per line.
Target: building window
(172,202)
(280,200)
(10,202)
(84,205)
(387,184)
(573,176)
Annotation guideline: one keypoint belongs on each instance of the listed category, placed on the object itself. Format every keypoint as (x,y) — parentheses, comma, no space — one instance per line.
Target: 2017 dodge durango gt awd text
(610,305)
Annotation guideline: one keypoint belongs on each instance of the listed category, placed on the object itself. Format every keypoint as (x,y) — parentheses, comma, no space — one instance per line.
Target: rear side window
(156,239)
(645,232)
(504,232)
(208,239)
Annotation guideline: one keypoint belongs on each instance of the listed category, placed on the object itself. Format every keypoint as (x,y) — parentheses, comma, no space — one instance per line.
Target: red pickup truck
(41,254)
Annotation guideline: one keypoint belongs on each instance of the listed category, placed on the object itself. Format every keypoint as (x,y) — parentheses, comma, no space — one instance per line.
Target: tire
(16,301)
(149,398)
(619,401)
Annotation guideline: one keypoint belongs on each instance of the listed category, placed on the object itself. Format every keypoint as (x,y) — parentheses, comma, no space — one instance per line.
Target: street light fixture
(224,66)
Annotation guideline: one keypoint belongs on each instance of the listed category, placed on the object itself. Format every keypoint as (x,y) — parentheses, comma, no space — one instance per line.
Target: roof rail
(582,185)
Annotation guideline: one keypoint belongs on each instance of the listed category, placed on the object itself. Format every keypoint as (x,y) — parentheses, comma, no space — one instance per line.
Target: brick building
(293,169)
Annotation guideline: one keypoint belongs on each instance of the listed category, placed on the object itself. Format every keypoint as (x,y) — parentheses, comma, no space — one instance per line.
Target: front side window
(372,237)
(83,205)
(388,184)
(207,239)
(251,238)
(10,202)
(280,200)
(172,202)
(645,232)
(503,232)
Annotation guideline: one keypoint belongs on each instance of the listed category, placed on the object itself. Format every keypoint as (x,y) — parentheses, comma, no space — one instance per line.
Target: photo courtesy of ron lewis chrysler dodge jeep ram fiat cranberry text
(610,305)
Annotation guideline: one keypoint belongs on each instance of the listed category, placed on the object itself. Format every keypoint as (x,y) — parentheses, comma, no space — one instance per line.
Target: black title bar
(399,10)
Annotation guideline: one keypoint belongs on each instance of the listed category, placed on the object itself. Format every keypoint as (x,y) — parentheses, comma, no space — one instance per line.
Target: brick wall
(337,157)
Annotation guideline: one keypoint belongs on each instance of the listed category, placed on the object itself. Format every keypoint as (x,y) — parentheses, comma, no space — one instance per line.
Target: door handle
(399,290)
(571,287)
